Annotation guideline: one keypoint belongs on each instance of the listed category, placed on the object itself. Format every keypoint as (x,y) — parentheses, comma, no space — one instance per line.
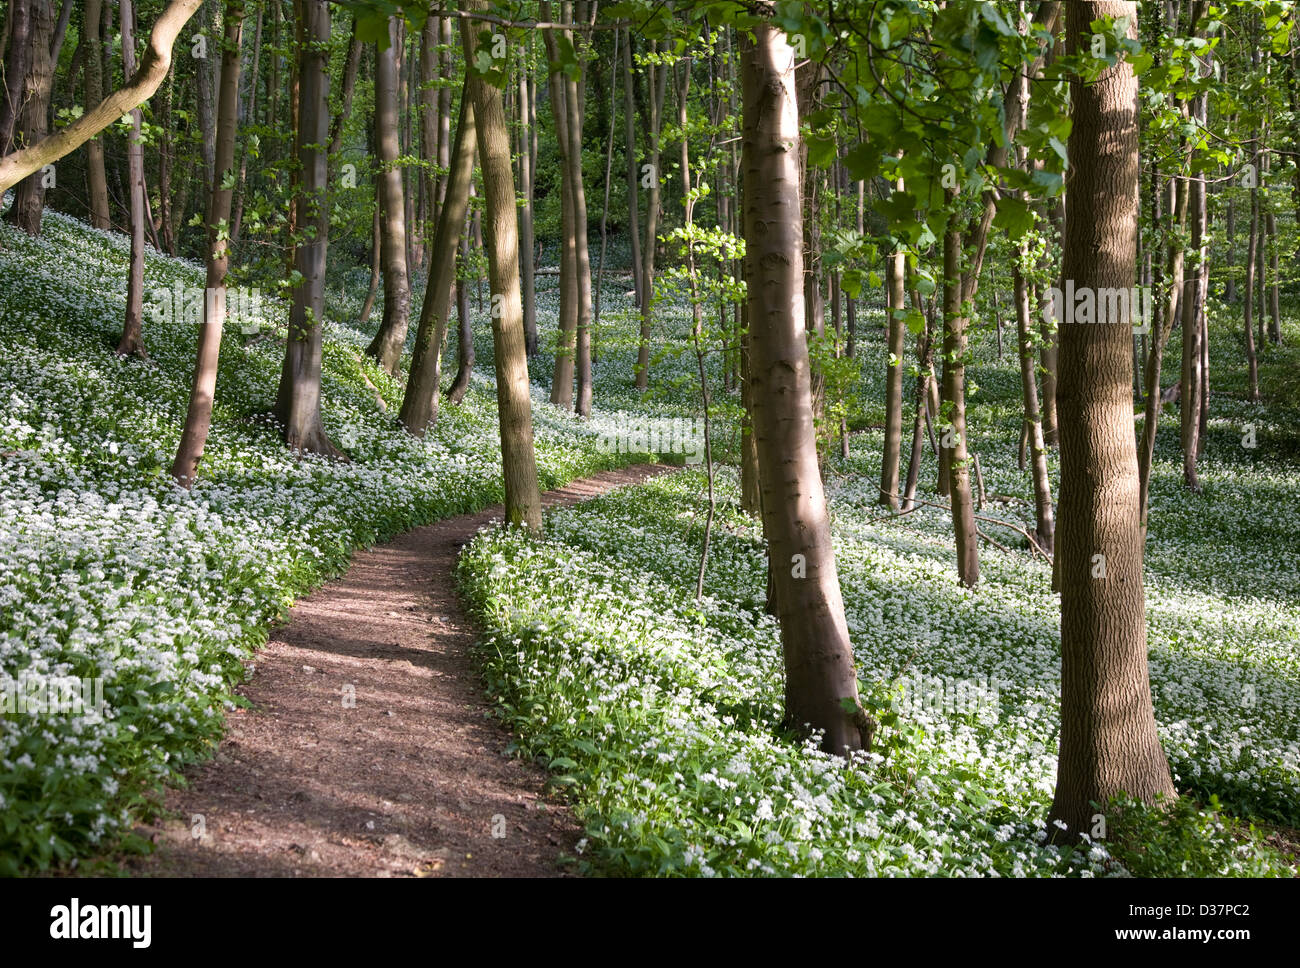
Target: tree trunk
(420,405)
(132,341)
(298,400)
(198,417)
(896,311)
(464,333)
(1274,301)
(1108,739)
(351,65)
(1164,326)
(954,442)
(527,240)
(96,180)
(562,376)
(523,502)
(390,340)
(658,78)
(18,58)
(582,263)
(1193,310)
(629,147)
(203,99)
(33,118)
(819,665)
(1252,244)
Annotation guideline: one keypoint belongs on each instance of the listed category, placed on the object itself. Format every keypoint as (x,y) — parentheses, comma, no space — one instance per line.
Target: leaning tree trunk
(390,340)
(33,116)
(298,400)
(819,666)
(1108,740)
(523,501)
(198,417)
(420,405)
(132,341)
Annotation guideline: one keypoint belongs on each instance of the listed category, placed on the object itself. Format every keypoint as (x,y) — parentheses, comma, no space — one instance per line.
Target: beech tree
(132,341)
(198,417)
(34,87)
(1109,743)
(298,401)
(821,680)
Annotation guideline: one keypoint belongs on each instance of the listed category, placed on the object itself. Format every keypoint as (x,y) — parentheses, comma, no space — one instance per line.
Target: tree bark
(33,118)
(658,84)
(298,400)
(132,341)
(523,502)
(420,405)
(896,311)
(18,56)
(1108,739)
(198,416)
(818,656)
(629,147)
(954,442)
(96,180)
(390,339)
(527,240)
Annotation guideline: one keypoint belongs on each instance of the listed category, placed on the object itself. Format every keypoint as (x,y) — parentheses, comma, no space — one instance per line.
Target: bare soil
(411,777)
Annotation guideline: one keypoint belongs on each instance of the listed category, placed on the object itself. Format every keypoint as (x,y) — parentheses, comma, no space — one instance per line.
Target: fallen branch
(1033,545)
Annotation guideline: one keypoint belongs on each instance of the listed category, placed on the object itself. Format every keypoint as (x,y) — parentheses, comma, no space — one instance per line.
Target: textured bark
(464,334)
(390,339)
(1274,300)
(658,85)
(1252,244)
(198,416)
(204,100)
(351,65)
(96,180)
(1045,525)
(896,280)
(18,56)
(153,68)
(566,337)
(33,118)
(298,400)
(954,443)
(1193,309)
(132,341)
(523,502)
(527,240)
(818,655)
(376,245)
(1108,739)
(420,405)
(630,149)
(582,261)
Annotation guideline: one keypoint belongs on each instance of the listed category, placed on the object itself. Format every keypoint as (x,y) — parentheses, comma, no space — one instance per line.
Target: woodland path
(407,782)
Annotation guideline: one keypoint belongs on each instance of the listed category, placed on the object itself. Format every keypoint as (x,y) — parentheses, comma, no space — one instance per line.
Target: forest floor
(408,778)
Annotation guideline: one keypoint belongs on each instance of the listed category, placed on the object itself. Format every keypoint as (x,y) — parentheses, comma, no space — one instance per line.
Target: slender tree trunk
(18,58)
(376,248)
(465,333)
(420,405)
(1192,309)
(204,101)
(955,444)
(582,263)
(298,399)
(819,665)
(604,211)
(658,85)
(630,146)
(925,361)
(250,115)
(1164,326)
(527,239)
(33,118)
(351,65)
(1108,739)
(1252,244)
(132,341)
(96,180)
(896,311)
(198,417)
(1058,216)
(523,502)
(390,339)
(1274,299)
(562,377)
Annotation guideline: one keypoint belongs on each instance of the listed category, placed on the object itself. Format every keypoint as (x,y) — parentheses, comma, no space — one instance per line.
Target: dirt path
(412,778)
